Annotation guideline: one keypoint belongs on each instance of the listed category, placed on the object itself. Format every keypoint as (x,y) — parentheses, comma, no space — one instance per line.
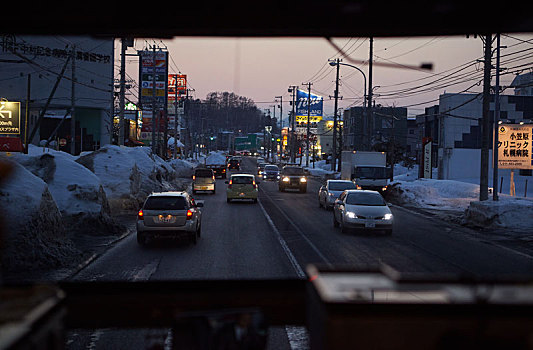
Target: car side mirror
(338,202)
(199,204)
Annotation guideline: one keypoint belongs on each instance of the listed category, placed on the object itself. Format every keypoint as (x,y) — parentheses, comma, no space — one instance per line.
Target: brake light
(230,183)
(189,214)
(254,185)
(213,177)
(140,215)
(193,177)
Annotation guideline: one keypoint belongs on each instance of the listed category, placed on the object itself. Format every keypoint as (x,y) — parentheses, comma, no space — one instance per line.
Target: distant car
(234,164)
(362,209)
(203,180)
(328,194)
(271,172)
(218,169)
(293,177)
(261,160)
(242,186)
(169,215)
(260,168)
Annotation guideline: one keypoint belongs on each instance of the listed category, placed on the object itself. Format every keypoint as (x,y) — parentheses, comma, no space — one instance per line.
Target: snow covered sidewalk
(462,198)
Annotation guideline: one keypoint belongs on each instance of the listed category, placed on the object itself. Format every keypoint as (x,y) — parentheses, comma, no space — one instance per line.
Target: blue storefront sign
(317,104)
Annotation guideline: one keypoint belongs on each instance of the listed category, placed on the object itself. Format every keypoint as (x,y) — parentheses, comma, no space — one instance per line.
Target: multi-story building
(33,65)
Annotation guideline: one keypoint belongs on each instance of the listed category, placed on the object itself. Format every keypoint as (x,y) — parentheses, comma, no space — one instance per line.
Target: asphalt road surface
(277,238)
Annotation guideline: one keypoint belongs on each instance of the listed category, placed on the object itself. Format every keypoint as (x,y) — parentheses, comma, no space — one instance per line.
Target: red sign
(179,82)
(11,144)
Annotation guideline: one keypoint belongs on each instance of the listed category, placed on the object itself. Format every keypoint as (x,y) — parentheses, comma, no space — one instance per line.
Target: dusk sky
(262,68)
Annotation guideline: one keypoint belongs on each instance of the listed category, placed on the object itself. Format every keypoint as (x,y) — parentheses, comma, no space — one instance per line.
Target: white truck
(368,170)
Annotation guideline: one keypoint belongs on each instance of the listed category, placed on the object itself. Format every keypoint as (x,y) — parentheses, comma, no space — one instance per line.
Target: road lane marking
(299,271)
(311,244)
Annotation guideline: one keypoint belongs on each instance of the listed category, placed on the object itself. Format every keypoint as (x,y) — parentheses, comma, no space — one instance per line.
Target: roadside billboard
(515,146)
(147,68)
(316,104)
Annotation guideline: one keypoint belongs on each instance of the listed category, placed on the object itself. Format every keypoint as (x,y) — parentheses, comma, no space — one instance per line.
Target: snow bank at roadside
(35,234)
(436,194)
(507,212)
(450,195)
(322,170)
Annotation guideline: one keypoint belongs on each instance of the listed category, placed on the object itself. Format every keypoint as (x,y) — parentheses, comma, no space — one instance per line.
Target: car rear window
(165,203)
(293,171)
(271,167)
(362,198)
(242,180)
(341,186)
(203,173)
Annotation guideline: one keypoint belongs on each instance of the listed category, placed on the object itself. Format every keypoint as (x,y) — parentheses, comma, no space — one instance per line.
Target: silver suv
(170,215)
(203,180)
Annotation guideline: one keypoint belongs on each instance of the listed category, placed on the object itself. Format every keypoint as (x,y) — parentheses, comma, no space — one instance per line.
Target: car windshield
(365,198)
(371,172)
(341,186)
(203,173)
(95,127)
(242,180)
(293,171)
(165,203)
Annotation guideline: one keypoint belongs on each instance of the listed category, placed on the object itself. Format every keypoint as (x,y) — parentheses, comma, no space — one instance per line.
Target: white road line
(311,244)
(299,271)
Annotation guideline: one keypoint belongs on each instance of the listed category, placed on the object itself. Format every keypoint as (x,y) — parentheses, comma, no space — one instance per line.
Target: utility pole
(369,119)
(336,95)
(308,133)
(27,114)
(177,125)
(73,103)
(496,120)
(280,125)
(292,135)
(122,94)
(484,164)
(154,102)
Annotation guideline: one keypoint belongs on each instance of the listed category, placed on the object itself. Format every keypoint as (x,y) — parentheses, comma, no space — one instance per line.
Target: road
(277,238)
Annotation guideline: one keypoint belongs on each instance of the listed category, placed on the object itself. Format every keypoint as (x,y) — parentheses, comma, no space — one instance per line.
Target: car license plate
(370,224)
(204,188)
(165,218)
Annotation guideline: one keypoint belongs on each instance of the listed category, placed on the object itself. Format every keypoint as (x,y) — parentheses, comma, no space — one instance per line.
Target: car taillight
(189,214)
(140,215)
(213,177)
(193,177)
(230,183)
(254,184)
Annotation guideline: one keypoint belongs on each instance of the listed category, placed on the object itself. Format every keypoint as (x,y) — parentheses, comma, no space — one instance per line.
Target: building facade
(81,67)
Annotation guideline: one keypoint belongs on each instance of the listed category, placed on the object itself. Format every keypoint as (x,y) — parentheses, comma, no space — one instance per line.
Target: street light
(334,63)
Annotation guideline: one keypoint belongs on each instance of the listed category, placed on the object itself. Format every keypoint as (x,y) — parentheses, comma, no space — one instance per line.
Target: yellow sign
(515,146)
(303,119)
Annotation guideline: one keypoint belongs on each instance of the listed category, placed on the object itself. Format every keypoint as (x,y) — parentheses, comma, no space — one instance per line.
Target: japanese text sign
(514,146)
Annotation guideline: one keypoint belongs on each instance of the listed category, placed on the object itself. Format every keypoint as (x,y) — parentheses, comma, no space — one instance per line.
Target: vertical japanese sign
(148,68)
(9,117)
(428,170)
(176,83)
(514,146)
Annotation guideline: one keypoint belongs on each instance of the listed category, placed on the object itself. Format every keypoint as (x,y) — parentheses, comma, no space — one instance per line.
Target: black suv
(293,177)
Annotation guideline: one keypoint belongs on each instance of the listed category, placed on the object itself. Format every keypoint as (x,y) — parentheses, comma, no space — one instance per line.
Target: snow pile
(119,175)
(215,158)
(431,193)
(182,168)
(508,212)
(322,170)
(35,234)
(75,189)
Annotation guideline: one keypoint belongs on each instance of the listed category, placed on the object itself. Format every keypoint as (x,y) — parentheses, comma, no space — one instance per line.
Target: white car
(328,194)
(361,209)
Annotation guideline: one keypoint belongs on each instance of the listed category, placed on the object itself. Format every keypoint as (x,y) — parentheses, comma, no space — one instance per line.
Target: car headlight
(387,216)
(351,215)
(303,179)
(286,179)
